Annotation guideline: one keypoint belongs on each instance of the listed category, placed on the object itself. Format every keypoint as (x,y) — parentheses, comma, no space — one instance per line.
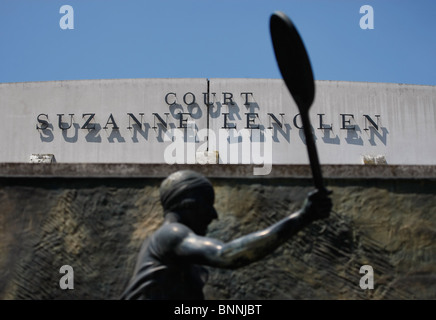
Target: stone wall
(96,225)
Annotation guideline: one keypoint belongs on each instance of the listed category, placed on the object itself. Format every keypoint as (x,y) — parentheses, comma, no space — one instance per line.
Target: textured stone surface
(97,225)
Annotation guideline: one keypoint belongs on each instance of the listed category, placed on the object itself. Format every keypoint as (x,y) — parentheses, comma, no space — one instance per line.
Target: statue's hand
(317,206)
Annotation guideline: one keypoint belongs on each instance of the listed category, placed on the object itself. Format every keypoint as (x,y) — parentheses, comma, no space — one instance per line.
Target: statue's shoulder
(172,233)
(174,228)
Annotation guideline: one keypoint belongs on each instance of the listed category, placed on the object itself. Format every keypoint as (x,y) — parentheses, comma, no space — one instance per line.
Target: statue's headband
(180,183)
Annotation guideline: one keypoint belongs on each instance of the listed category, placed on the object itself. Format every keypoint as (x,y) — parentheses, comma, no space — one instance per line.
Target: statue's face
(192,196)
(202,214)
(205,218)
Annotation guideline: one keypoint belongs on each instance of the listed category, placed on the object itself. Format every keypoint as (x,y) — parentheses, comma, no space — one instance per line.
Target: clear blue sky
(214,38)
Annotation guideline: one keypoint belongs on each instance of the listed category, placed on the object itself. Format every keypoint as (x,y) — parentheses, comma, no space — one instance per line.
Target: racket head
(293,60)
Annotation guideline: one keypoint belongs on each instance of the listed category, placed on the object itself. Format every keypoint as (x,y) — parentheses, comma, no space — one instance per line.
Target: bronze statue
(170,261)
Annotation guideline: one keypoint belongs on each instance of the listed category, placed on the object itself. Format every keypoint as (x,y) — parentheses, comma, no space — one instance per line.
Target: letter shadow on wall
(252,106)
(143,132)
(175,109)
(93,135)
(234,136)
(215,110)
(46,135)
(327,138)
(353,137)
(233,114)
(303,137)
(71,139)
(115,135)
(285,132)
(195,111)
(161,131)
(382,136)
(258,135)
(234,111)
(190,134)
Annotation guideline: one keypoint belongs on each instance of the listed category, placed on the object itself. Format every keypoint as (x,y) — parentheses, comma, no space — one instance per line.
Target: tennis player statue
(171,261)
